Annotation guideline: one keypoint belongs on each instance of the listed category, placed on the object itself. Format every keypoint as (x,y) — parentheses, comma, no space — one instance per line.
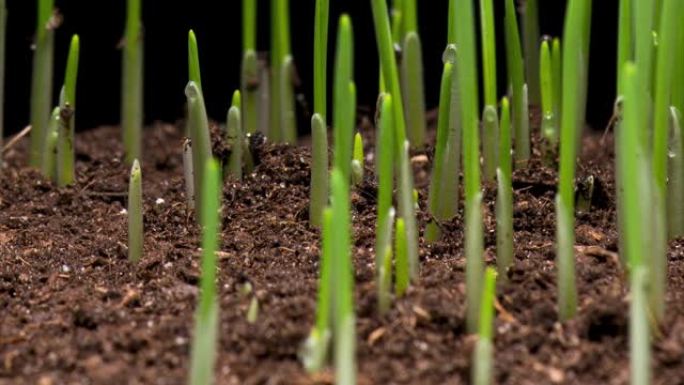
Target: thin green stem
(414,93)
(198,128)
(65,149)
(343,124)
(135,214)
(132,85)
(531,37)
(194,73)
(319,170)
(249,32)
(504,196)
(488,52)
(515,66)
(321,57)
(625,40)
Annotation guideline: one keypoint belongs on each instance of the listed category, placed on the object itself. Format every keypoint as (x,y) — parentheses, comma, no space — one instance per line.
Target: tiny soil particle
(75,311)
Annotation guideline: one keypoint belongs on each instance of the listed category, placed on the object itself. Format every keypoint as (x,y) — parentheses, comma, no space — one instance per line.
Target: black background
(218,26)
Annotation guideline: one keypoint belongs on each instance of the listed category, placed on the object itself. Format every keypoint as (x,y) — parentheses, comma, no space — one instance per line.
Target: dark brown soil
(75,311)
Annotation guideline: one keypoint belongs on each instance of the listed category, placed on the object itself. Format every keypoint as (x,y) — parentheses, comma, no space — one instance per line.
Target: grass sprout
(412,84)
(235,138)
(198,128)
(483,355)
(504,195)
(515,66)
(135,213)
(319,170)
(132,85)
(357,167)
(531,39)
(65,143)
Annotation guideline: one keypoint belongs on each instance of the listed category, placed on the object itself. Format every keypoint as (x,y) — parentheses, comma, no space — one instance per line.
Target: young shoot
(343,114)
(319,170)
(41,86)
(135,213)
(390,75)
(188,174)
(282,70)
(504,195)
(572,120)
(357,160)
(198,128)
(412,84)
(65,147)
(235,139)
(467,80)
(205,335)
(49,166)
(483,355)
(557,78)
(515,66)
(531,41)
(489,115)
(132,84)
(384,261)
(441,205)
(549,128)
(249,79)
(194,73)
(402,262)
(384,171)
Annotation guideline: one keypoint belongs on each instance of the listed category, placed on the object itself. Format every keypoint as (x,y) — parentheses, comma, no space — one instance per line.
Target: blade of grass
(321,57)
(483,355)
(489,116)
(205,336)
(198,127)
(135,214)
(41,86)
(132,84)
(504,195)
(288,124)
(235,139)
(625,41)
(531,38)
(414,93)
(384,172)
(194,72)
(675,205)
(557,77)
(515,67)
(402,262)
(65,148)
(319,170)
(249,32)
(343,124)
(384,263)
(358,160)
(549,125)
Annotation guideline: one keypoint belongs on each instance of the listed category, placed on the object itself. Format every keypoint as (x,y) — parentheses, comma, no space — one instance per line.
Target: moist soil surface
(76,311)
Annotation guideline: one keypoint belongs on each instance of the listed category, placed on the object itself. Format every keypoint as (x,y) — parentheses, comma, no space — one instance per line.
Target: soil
(75,311)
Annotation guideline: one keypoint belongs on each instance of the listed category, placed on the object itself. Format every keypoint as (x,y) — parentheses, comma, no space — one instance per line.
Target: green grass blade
(531,38)
(487,305)
(488,51)
(234,138)
(198,128)
(483,355)
(249,86)
(675,205)
(438,178)
(639,332)
(643,54)
(384,262)
(132,84)
(557,69)
(515,66)
(402,262)
(343,124)
(504,195)
(358,160)
(565,260)
(409,17)
(414,95)
(194,72)
(474,250)
(385,169)
(135,214)
(65,148)
(289,123)
(205,337)
(321,57)
(319,170)
(249,32)
(49,166)
(41,86)
(345,333)
(549,122)
(490,133)
(407,211)
(625,40)
(315,349)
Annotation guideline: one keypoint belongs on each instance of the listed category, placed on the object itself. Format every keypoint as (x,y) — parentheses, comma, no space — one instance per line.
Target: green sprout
(405,177)
(135,213)
(283,127)
(514,61)
(194,73)
(625,41)
(319,170)
(343,300)
(571,121)
(402,262)
(412,83)
(549,125)
(557,77)
(253,310)
(249,79)
(49,166)
(675,186)
(440,205)
(384,261)
(319,129)
(483,360)
(41,87)
(343,121)
(235,138)
(315,349)
(205,336)
(504,195)
(357,160)
(467,79)
(384,171)
(3,30)
(531,41)
(489,115)
(188,174)
(132,85)
(639,332)
(65,144)
(198,128)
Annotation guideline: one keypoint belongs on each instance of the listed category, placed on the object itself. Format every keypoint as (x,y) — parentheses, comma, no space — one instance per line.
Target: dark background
(218,26)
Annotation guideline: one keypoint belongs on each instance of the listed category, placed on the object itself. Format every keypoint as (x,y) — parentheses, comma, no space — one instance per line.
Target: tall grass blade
(504,195)
(132,85)
(516,77)
(135,214)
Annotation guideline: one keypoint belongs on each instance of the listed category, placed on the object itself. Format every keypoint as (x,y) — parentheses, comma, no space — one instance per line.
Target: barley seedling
(249,78)
(319,170)
(198,128)
(402,262)
(483,355)
(531,39)
(549,126)
(357,166)
(135,214)
(514,62)
(49,166)
(235,139)
(132,85)
(504,195)
(194,72)
(343,99)
(383,261)
(65,146)
(490,129)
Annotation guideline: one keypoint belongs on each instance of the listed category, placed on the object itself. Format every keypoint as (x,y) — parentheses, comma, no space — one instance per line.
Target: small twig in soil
(16,138)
